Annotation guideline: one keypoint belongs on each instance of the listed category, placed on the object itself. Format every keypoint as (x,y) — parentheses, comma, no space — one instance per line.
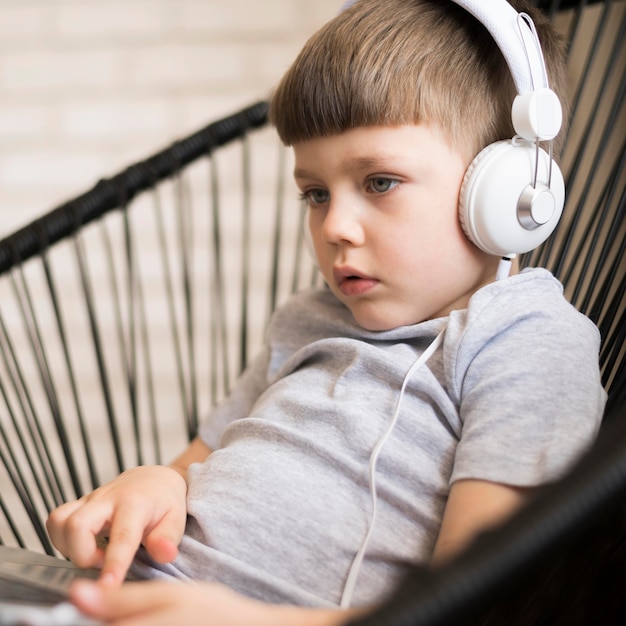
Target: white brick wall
(88,86)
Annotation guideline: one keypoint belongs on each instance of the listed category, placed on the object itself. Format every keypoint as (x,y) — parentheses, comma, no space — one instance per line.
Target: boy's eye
(380,184)
(316,196)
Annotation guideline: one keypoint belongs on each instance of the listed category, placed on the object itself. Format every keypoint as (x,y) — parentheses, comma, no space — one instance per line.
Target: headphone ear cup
(498,205)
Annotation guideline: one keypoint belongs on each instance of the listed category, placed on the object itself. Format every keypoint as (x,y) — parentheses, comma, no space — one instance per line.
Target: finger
(125,536)
(161,549)
(56,522)
(117,603)
(88,597)
(163,540)
(74,530)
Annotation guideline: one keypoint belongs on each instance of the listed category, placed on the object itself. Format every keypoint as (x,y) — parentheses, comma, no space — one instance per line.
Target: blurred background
(115,342)
(89,86)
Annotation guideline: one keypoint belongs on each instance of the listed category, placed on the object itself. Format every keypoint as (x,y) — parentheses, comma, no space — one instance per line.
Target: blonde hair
(396,62)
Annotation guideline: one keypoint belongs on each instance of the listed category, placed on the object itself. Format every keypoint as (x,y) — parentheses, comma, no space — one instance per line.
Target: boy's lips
(351,282)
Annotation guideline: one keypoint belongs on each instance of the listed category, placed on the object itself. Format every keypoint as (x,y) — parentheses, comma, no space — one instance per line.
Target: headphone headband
(536,112)
(515,38)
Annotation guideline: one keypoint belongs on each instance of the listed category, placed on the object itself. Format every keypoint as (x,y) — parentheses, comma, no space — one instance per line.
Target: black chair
(126,313)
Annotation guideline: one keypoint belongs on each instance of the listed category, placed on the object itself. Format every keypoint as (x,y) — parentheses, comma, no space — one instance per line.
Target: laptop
(34,587)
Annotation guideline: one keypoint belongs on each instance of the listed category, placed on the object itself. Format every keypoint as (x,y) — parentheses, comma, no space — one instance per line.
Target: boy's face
(383,214)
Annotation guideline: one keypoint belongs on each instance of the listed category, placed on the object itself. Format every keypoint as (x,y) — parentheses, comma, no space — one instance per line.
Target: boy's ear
(513,193)
(505,208)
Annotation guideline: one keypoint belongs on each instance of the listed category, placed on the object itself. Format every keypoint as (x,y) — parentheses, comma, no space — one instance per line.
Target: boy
(453,389)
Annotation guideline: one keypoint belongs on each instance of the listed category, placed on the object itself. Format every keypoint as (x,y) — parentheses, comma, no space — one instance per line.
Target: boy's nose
(342,224)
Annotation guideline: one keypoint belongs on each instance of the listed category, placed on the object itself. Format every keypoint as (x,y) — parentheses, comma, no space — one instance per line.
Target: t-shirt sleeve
(530,395)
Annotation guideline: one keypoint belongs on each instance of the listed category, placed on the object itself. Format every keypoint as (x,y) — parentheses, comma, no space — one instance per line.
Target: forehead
(372,147)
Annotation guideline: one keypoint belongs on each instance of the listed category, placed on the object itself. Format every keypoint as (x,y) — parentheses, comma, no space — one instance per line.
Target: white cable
(504,267)
(355,568)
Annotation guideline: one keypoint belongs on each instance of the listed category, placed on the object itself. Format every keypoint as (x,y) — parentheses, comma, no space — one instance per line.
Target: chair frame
(586,254)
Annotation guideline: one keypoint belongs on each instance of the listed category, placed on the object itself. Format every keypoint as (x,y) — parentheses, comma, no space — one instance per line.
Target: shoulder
(532,291)
(527,307)
(524,327)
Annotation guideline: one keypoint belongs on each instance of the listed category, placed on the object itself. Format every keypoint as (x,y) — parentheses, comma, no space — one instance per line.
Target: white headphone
(513,192)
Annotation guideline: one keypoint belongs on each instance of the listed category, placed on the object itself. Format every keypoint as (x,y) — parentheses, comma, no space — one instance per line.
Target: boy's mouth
(352,283)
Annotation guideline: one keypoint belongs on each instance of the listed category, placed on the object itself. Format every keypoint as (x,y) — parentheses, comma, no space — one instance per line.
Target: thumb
(163,539)
(88,597)
(161,548)
(107,603)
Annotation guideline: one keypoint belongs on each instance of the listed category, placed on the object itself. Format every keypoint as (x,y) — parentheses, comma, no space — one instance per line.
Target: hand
(145,505)
(192,604)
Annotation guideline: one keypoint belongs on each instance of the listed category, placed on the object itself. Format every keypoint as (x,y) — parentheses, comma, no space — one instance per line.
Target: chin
(377,322)
(373,327)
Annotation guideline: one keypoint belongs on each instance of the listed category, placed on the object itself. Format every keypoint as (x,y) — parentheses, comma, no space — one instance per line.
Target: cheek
(448,227)
(468,247)
(436,238)
(462,251)
(437,228)
(468,261)
(312,235)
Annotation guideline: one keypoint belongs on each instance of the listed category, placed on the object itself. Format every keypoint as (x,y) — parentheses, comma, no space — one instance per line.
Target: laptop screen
(33,589)
(26,575)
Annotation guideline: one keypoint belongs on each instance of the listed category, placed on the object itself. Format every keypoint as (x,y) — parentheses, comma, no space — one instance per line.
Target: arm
(474,506)
(145,505)
(197,452)
(526,412)
(204,604)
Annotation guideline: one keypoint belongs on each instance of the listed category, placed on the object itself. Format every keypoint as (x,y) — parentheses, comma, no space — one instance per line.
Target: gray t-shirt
(280,508)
